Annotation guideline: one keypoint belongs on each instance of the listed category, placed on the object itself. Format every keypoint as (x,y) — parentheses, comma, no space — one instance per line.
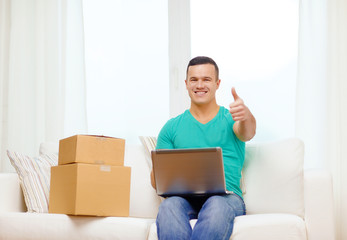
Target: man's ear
(186,81)
(218,83)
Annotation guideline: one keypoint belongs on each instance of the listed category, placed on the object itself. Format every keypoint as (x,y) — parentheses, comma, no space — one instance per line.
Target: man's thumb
(233,92)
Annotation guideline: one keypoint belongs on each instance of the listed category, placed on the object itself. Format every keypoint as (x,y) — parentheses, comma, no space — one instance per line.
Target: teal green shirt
(184,131)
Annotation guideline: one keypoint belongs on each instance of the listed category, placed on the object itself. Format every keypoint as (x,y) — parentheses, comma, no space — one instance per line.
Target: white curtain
(179,38)
(321,95)
(42,84)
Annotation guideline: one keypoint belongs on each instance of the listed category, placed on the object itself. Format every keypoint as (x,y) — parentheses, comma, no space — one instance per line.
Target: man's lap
(193,204)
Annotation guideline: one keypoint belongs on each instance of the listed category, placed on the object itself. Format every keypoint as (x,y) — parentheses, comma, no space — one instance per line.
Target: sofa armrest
(11,196)
(319,206)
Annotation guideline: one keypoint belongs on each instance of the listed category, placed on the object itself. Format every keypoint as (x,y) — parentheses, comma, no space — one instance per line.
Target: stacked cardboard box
(90,178)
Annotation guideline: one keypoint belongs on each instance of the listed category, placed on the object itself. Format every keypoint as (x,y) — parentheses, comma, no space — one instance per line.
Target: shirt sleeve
(165,140)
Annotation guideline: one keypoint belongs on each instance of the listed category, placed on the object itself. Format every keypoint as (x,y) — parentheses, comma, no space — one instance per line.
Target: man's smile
(200,93)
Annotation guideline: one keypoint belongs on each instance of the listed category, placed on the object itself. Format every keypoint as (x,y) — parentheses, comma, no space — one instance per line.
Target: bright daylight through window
(255,44)
(127,67)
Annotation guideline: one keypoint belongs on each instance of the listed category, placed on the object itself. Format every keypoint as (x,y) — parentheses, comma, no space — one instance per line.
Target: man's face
(202,83)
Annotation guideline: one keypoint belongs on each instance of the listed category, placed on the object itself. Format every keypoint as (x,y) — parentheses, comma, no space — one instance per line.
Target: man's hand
(245,123)
(238,109)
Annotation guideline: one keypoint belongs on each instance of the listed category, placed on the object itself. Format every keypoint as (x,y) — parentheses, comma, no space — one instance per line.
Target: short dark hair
(203,60)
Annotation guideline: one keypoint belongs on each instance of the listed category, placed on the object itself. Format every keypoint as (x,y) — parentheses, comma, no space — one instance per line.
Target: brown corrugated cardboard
(91,149)
(89,189)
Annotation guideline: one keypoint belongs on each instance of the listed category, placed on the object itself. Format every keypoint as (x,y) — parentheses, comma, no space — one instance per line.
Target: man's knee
(171,204)
(216,202)
(217,207)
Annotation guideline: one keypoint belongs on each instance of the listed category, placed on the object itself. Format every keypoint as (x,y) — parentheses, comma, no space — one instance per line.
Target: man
(206,124)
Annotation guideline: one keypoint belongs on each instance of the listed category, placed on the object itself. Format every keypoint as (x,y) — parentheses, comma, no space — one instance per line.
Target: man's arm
(245,123)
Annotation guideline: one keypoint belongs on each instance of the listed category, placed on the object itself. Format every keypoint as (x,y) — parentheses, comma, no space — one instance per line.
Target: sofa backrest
(274,177)
(11,195)
(272,174)
(144,202)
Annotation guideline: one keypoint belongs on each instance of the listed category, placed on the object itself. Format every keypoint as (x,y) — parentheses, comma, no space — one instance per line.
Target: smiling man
(206,124)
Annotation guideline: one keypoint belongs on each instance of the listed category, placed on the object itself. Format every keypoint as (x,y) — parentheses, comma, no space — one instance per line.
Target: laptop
(187,172)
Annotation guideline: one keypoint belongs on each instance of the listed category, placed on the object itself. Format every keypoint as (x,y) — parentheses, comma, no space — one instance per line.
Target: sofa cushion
(260,227)
(11,195)
(34,176)
(42,226)
(149,143)
(273,175)
(269,226)
(144,202)
(49,148)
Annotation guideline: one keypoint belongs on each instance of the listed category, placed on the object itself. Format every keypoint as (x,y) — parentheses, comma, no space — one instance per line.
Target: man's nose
(200,84)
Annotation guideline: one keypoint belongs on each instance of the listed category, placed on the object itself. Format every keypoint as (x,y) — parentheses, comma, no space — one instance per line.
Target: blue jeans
(215,216)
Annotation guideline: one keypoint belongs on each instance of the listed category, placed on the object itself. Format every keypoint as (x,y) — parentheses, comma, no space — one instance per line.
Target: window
(126,67)
(255,45)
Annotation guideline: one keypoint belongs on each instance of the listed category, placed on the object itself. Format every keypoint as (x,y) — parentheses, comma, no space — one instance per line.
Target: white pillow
(149,143)
(34,176)
(274,177)
(47,148)
(144,201)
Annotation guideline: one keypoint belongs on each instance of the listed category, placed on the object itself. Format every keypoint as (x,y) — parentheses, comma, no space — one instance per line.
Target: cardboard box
(89,189)
(91,149)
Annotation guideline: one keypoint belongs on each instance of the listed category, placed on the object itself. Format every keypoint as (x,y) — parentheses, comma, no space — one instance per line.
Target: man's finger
(236,109)
(233,92)
(237,103)
(238,114)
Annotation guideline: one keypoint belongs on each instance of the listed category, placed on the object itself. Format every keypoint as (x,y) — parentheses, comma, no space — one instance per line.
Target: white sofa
(283,202)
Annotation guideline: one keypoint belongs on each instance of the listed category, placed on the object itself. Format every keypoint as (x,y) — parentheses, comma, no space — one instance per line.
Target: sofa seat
(36,226)
(269,226)
(260,227)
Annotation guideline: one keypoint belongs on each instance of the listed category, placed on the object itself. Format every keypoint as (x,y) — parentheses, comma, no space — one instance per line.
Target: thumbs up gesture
(238,110)
(245,124)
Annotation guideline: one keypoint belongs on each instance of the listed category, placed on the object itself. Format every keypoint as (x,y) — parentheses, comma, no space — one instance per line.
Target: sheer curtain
(179,38)
(321,94)
(42,84)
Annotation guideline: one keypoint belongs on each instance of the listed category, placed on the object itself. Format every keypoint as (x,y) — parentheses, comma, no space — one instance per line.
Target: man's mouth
(200,93)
